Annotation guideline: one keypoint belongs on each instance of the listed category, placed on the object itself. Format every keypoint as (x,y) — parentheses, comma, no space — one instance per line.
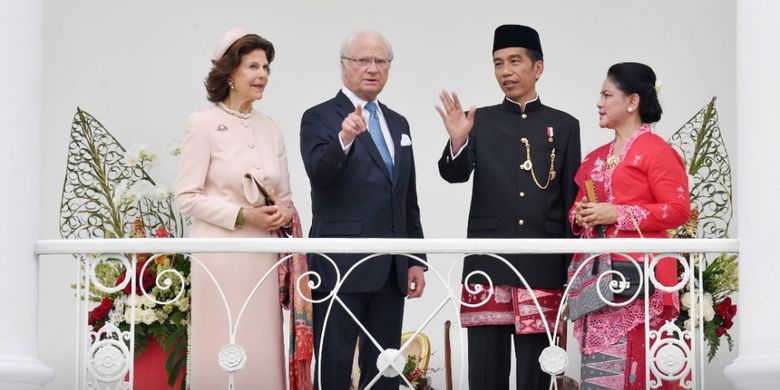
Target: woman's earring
(230,83)
(630,109)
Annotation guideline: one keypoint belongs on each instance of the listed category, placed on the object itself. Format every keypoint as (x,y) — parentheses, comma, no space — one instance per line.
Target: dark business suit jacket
(505,201)
(353,195)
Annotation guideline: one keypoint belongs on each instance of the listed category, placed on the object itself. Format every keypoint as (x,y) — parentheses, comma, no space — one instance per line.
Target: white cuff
(346,147)
(455,155)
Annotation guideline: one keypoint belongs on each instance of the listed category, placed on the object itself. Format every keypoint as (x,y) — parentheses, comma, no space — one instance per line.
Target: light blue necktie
(375,129)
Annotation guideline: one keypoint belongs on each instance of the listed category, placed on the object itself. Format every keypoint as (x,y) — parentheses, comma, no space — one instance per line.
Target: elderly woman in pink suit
(222,144)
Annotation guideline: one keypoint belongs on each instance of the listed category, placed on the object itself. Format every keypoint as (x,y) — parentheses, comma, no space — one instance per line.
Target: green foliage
(109,193)
(700,144)
(96,194)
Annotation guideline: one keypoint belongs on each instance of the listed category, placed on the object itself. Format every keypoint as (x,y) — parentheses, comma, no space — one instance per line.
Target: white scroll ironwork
(105,354)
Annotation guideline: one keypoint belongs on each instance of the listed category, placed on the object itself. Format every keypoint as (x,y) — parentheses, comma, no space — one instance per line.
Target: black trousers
(490,358)
(380,312)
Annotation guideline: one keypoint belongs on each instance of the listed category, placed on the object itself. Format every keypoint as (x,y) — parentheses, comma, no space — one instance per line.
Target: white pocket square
(405,140)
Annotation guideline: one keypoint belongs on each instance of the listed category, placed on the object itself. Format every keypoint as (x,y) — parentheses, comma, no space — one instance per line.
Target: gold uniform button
(522,194)
(524,116)
(521,222)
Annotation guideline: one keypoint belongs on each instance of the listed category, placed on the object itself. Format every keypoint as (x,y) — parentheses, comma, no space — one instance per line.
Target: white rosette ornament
(232,358)
(390,363)
(553,360)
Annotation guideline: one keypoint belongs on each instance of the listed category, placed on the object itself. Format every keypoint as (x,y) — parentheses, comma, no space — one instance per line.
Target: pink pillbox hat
(228,39)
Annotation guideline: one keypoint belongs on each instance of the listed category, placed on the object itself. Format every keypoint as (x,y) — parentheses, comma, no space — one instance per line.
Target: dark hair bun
(636,78)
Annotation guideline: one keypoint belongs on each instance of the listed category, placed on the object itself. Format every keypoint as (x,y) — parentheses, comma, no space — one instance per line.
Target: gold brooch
(612,162)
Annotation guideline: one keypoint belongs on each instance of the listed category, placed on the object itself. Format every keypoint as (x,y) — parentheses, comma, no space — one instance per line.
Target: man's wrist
(345,145)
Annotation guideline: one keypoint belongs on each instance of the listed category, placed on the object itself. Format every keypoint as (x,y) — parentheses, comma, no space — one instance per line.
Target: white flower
(145,301)
(174,148)
(116,316)
(138,154)
(161,193)
(141,189)
(659,85)
(119,304)
(149,155)
(161,316)
(130,160)
(685,300)
(184,304)
(129,313)
(708,312)
(122,194)
(148,316)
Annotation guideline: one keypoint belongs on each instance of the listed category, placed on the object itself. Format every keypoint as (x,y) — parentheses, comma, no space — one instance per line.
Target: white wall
(138,66)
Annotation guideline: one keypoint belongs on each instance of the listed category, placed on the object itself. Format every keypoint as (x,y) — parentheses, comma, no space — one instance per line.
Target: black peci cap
(515,35)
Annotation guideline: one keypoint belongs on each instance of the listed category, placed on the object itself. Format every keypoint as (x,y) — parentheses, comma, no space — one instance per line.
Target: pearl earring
(630,109)
(230,83)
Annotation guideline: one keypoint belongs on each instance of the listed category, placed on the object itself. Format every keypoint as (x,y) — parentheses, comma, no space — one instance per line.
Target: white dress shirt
(356,100)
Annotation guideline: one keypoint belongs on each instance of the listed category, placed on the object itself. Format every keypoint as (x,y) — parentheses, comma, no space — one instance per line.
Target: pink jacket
(217,150)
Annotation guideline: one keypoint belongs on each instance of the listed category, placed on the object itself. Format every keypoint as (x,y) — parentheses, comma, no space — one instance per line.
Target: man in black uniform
(524,156)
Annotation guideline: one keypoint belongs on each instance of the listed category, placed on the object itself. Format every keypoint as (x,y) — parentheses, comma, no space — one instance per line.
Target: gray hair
(347,44)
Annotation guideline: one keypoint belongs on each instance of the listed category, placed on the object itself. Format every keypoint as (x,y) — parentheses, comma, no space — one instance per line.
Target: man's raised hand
(352,126)
(457,123)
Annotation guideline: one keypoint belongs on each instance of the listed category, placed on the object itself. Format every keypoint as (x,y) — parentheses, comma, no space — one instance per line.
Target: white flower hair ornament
(659,85)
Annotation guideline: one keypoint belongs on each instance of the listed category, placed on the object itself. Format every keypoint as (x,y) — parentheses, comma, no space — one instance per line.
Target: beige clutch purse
(255,192)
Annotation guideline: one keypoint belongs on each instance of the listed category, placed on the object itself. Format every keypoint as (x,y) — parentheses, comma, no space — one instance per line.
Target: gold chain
(529,166)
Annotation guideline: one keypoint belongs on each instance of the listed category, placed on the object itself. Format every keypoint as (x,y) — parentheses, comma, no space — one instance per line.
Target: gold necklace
(529,166)
(612,162)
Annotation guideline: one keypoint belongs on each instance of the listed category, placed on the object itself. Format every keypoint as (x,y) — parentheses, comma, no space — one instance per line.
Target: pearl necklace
(238,114)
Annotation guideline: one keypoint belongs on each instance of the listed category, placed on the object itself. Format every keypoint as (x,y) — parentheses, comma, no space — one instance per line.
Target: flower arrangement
(164,323)
(701,147)
(108,193)
(719,281)
(415,372)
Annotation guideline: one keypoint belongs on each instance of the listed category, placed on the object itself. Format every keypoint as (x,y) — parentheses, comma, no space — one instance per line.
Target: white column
(21,45)
(757,195)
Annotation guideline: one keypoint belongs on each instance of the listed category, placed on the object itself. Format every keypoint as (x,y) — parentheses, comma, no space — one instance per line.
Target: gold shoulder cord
(529,166)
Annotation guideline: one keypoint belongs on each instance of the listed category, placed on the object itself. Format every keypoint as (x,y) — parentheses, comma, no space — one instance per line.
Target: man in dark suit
(358,156)
(524,156)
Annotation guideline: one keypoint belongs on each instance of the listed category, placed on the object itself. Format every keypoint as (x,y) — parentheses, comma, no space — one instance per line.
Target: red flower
(161,232)
(147,280)
(414,375)
(99,313)
(722,310)
(720,331)
(727,323)
(725,309)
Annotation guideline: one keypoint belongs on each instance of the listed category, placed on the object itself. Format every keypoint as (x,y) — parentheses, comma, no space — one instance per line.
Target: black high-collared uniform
(507,203)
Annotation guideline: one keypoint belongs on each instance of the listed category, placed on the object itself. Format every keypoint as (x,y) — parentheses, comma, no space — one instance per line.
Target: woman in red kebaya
(642,190)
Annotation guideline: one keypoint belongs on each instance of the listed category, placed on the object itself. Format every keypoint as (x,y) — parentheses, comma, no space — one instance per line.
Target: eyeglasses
(365,62)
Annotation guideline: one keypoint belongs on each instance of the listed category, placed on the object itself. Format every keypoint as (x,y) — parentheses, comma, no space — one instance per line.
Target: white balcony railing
(106,361)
